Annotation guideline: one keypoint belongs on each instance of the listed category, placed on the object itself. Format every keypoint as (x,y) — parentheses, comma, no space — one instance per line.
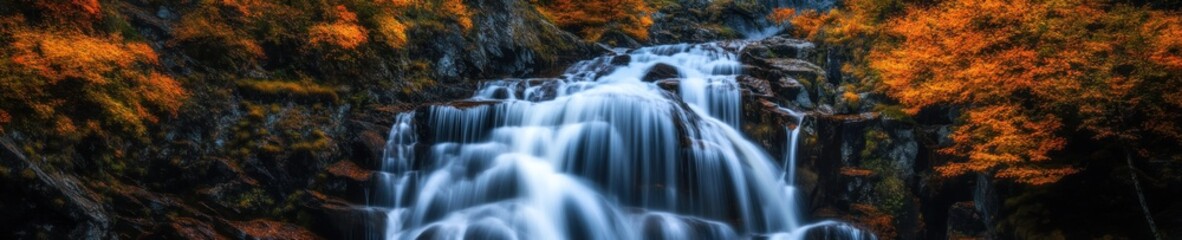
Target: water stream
(598,154)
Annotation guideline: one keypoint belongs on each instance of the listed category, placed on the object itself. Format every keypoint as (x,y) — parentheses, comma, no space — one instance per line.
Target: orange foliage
(855,172)
(964,53)
(248,8)
(870,217)
(79,13)
(1166,42)
(399,3)
(343,14)
(4,118)
(458,12)
(1019,67)
(856,22)
(781,15)
(808,24)
(591,19)
(57,77)
(392,31)
(205,31)
(343,33)
(61,56)
(994,136)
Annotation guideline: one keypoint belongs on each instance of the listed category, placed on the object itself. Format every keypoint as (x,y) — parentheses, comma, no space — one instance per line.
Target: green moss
(894,112)
(872,138)
(890,191)
(320,142)
(254,199)
(724,31)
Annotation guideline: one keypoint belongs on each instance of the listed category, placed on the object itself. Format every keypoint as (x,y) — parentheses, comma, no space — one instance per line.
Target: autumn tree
(1024,74)
(592,19)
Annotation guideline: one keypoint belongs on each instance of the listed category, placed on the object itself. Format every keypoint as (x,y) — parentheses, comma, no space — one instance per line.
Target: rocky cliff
(280,130)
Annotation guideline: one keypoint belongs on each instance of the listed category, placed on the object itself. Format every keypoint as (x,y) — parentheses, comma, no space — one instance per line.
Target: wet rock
(343,220)
(661,71)
(757,87)
(779,47)
(621,59)
(348,180)
(619,39)
(164,13)
(671,85)
(368,143)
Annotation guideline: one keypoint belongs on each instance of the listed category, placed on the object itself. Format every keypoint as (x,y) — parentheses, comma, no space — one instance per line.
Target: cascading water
(599,154)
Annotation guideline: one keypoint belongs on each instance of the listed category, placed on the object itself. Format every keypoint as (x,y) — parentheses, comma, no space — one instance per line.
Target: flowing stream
(600,153)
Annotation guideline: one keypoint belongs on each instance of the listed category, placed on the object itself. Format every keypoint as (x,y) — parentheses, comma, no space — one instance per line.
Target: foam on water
(598,154)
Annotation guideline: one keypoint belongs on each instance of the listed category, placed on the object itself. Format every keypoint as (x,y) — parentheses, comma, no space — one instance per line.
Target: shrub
(392,31)
(84,83)
(343,33)
(591,19)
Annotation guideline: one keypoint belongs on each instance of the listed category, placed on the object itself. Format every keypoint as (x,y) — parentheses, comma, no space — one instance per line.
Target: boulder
(661,71)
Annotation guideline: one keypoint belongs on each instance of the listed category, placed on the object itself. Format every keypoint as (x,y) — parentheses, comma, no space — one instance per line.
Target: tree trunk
(1141,196)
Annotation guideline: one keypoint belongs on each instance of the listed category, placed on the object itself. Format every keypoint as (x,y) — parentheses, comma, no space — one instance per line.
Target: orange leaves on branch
(1011,65)
(591,19)
(343,33)
(808,24)
(1003,136)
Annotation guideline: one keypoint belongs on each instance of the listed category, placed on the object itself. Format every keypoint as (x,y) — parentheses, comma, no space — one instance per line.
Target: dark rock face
(45,198)
(508,39)
(661,71)
(853,163)
(965,222)
(234,164)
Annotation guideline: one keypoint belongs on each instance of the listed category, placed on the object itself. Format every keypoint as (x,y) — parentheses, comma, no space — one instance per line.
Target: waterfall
(790,156)
(612,150)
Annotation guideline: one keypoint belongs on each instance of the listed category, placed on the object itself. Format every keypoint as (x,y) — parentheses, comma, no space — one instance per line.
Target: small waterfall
(790,156)
(609,151)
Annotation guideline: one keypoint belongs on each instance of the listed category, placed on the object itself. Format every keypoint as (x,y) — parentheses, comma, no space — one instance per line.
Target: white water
(600,154)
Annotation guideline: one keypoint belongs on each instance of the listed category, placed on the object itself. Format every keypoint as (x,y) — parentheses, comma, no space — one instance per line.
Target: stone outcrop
(855,162)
